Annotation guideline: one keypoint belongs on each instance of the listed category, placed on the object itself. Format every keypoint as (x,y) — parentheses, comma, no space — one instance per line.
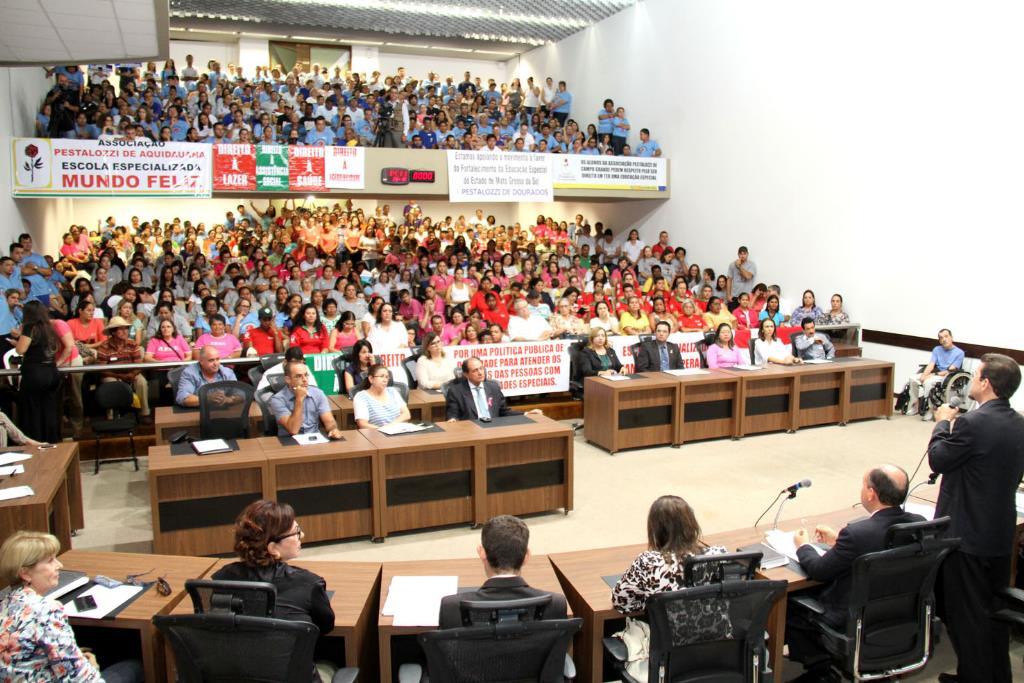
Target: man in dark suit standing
(659,354)
(474,397)
(980,456)
(883,490)
(504,549)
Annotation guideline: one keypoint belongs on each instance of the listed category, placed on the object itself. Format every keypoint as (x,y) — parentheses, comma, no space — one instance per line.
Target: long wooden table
(367,484)
(353,589)
(658,408)
(138,615)
(424,406)
(537,572)
(56,504)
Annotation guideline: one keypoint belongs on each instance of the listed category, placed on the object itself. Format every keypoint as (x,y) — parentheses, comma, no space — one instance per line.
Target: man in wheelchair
(946,359)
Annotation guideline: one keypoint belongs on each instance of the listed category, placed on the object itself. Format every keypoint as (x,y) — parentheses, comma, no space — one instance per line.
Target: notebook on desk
(506,421)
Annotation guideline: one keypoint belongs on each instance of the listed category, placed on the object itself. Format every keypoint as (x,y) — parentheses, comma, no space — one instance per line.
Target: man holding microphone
(980,456)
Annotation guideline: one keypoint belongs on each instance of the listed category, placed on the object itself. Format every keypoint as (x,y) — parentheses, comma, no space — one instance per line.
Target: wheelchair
(953,384)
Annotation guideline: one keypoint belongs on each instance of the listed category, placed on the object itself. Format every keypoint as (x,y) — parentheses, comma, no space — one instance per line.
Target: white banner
(521,368)
(687,342)
(45,167)
(499,177)
(345,168)
(600,172)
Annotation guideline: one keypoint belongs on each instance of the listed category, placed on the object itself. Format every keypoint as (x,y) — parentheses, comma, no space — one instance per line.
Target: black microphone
(806,483)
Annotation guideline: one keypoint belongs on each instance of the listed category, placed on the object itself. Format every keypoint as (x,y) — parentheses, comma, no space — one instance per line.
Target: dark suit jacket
(981,462)
(590,362)
(301,594)
(459,403)
(835,566)
(648,357)
(498,588)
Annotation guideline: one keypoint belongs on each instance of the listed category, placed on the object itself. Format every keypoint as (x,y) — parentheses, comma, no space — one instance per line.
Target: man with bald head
(882,492)
(206,370)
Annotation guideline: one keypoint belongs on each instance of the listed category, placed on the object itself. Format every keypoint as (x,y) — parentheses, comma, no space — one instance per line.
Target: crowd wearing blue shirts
(275,106)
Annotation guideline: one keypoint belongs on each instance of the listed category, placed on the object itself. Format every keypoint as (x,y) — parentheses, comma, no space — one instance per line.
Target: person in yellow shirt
(718,314)
(633,320)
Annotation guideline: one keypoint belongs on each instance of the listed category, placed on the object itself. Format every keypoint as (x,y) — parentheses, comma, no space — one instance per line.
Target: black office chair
(750,348)
(634,350)
(270,360)
(410,369)
(115,398)
(173,377)
(247,598)
(713,632)
(276,382)
(262,399)
(255,374)
(891,614)
(224,410)
(233,647)
(702,352)
(792,344)
(575,351)
(339,364)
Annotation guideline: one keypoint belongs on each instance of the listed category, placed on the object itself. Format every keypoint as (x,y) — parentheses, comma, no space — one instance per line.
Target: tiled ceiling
(525,22)
(81,31)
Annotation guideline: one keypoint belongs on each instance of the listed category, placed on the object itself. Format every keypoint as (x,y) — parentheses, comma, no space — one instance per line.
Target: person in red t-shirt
(495,312)
(266,338)
(746,317)
(308,332)
(689,319)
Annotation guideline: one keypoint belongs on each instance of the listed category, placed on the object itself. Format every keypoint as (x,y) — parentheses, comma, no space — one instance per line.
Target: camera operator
(390,121)
(65,103)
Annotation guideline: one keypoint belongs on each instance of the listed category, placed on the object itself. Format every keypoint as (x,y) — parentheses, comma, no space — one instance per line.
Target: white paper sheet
(16,492)
(107,600)
(616,378)
(817,361)
(782,542)
(11,458)
(401,428)
(416,600)
(11,469)
(746,367)
(683,372)
(923,509)
(210,446)
(310,439)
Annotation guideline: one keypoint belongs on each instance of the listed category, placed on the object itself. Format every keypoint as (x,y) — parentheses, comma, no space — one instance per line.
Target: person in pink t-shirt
(218,337)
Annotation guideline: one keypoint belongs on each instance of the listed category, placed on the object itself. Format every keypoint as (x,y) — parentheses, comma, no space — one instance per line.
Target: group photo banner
(279,168)
(686,341)
(601,172)
(51,167)
(484,176)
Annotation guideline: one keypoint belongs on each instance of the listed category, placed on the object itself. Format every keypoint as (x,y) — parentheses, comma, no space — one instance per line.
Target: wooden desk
(171,419)
(537,572)
(138,616)
(355,590)
(766,400)
(195,499)
(581,575)
(631,413)
(870,387)
(468,473)
(330,485)
(709,406)
(424,406)
(56,506)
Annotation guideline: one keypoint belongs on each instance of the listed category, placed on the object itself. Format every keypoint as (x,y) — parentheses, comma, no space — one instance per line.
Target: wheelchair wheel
(957,384)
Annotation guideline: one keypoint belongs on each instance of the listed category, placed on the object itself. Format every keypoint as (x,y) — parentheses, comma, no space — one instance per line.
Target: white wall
(203,51)
(869,148)
(252,52)
(418,66)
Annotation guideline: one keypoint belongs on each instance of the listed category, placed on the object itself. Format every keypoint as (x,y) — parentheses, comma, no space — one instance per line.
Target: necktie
(481,401)
(664,356)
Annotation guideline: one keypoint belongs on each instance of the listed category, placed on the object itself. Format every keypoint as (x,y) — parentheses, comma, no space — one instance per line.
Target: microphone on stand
(789,492)
(802,484)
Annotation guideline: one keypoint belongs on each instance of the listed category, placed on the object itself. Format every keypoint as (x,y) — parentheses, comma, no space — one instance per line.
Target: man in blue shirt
(300,407)
(321,134)
(428,135)
(206,371)
(34,268)
(562,103)
(945,358)
(604,119)
(647,146)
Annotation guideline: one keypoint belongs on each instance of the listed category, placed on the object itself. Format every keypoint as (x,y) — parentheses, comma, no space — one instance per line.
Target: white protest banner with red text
(687,342)
(345,168)
(45,167)
(234,167)
(306,169)
(521,368)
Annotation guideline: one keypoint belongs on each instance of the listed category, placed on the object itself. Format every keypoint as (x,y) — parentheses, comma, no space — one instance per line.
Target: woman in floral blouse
(36,641)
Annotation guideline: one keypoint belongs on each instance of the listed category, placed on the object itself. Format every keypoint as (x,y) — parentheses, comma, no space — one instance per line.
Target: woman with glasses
(267,538)
(378,404)
(434,366)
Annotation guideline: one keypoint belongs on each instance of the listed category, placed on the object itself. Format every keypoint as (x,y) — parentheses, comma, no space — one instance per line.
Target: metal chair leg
(96,459)
(135,457)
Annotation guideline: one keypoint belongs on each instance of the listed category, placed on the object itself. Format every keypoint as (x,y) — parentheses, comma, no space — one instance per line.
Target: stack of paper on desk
(416,600)
(11,458)
(782,541)
(16,492)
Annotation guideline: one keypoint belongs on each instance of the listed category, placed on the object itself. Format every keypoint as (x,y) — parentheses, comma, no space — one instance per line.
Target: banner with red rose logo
(103,168)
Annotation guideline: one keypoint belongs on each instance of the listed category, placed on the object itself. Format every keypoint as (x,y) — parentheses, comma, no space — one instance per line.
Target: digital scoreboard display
(404,176)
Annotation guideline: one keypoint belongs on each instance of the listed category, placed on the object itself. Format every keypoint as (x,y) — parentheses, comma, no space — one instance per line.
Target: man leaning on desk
(504,549)
(205,371)
(659,353)
(882,492)
(811,345)
(300,408)
(474,397)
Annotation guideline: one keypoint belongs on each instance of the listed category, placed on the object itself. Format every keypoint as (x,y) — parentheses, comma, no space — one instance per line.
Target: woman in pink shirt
(219,338)
(167,344)
(724,353)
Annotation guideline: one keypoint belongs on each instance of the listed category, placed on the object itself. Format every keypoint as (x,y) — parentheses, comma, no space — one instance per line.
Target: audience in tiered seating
(278,106)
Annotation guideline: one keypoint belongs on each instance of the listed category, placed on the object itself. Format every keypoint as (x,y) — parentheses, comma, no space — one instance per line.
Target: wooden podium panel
(631,413)
(870,387)
(709,406)
(821,392)
(767,403)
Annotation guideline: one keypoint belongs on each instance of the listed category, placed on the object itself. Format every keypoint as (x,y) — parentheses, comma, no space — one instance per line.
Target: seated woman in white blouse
(770,349)
(434,367)
(378,404)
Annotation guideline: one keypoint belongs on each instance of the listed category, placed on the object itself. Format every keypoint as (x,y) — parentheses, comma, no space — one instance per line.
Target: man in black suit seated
(883,490)
(659,353)
(980,456)
(504,550)
(474,397)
